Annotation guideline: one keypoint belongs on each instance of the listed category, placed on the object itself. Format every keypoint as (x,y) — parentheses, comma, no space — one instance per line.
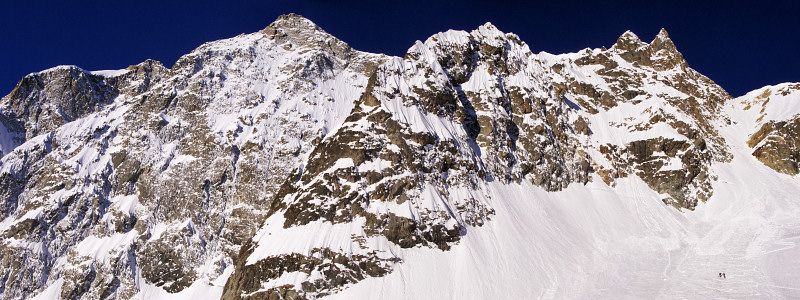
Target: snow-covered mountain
(284,164)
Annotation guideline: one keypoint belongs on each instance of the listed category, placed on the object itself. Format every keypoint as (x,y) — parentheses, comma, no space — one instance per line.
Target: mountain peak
(488,26)
(299,31)
(662,41)
(662,34)
(488,31)
(629,35)
(292,25)
(628,41)
(293,20)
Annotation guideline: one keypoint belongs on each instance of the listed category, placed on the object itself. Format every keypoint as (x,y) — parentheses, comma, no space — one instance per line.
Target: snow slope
(595,241)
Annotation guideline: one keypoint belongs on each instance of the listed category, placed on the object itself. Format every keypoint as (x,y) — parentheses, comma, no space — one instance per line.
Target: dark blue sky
(741,46)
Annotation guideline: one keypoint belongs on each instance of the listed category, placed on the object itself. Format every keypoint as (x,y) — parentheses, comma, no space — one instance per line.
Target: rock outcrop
(775,138)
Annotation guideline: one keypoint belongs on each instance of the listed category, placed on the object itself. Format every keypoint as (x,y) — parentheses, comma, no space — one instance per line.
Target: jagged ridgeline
(213,172)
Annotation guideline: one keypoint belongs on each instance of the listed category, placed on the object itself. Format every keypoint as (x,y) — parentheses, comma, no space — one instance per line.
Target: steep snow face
(283,163)
(770,103)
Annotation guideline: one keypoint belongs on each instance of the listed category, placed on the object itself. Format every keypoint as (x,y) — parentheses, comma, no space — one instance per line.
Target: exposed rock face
(167,177)
(509,109)
(333,271)
(777,145)
(776,137)
(46,100)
